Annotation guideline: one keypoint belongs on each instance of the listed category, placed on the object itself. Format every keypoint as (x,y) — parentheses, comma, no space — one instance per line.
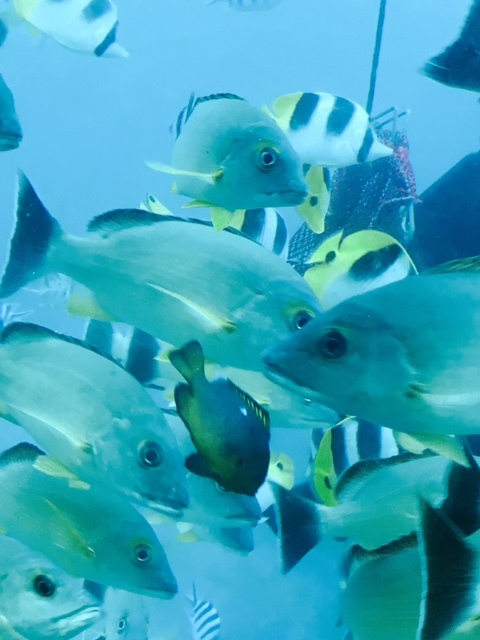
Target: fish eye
(332,345)
(142,554)
(122,624)
(267,158)
(301,319)
(44,586)
(151,454)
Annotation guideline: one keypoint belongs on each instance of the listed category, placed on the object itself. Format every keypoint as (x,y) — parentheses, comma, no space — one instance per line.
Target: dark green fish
(229,429)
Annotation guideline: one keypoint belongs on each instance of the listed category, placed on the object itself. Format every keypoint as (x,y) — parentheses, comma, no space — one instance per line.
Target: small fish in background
(118,549)
(204,619)
(126,617)
(230,431)
(248,5)
(230,156)
(343,267)
(11,134)
(264,226)
(10,313)
(86,26)
(53,289)
(327,130)
(39,601)
(459,64)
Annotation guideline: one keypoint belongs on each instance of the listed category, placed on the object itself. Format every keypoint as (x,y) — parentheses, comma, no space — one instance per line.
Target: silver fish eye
(44,586)
(301,319)
(142,554)
(332,345)
(267,158)
(122,623)
(151,454)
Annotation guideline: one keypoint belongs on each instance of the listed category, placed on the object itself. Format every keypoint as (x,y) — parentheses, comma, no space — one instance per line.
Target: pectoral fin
(84,305)
(53,468)
(221,218)
(209,178)
(449,446)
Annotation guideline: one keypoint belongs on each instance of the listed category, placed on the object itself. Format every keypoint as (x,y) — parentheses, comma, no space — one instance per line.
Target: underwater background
(89,125)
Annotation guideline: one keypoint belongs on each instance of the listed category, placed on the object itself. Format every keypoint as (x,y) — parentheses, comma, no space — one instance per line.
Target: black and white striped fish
(327,130)
(204,619)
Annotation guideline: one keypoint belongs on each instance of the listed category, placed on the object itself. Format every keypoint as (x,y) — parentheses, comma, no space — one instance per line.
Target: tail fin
(189,360)
(450,576)
(299,525)
(30,242)
(462,504)
(457,66)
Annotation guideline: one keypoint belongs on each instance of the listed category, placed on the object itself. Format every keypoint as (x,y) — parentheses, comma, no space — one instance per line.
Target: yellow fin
(315,207)
(188,537)
(155,206)
(197,204)
(24,8)
(445,445)
(67,526)
(51,467)
(83,304)
(210,318)
(324,476)
(210,178)
(283,109)
(221,218)
(267,111)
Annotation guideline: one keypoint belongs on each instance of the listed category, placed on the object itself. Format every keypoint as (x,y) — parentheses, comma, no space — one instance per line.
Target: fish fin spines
(299,525)
(35,228)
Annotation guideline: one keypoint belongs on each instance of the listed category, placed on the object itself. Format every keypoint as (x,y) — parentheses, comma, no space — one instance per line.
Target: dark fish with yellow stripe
(230,431)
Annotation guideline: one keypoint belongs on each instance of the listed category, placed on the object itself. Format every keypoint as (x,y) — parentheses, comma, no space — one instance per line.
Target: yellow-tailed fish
(229,154)
(119,437)
(167,266)
(86,26)
(119,548)
(230,431)
(343,267)
(328,130)
(404,356)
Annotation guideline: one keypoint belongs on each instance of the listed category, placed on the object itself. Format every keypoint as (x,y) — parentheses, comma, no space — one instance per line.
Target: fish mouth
(10,141)
(169,508)
(277,374)
(291,197)
(83,616)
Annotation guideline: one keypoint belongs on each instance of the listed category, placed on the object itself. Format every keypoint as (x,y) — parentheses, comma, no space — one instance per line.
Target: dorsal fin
(364,468)
(26,332)
(262,413)
(22,452)
(358,555)
(193,102)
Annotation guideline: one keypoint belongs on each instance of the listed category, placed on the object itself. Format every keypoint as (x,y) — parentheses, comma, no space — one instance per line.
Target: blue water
(89,125)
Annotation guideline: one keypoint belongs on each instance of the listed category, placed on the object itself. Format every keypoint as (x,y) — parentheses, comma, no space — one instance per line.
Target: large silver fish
(90,414)
(39,601)
(404,356)
(85,530)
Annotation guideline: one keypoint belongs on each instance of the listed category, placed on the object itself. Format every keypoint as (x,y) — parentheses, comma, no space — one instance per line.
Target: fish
(345,266)
(126,617)
(249,5)
(327,130)
(39,601)
(91,415)
(156,271)
(85,26)
(236,539)
(118,549)
(265,226)
(231,156)
(458,65)
(230,431)
(11,134)
(403,356)
(204,619)
(364,493)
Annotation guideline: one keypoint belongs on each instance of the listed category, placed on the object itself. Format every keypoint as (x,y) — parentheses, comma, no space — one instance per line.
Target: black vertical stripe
(109,39)
(340,116)
(339,450)
(253,223)
(303,111)
(369,441)
(366,146)
(281,235)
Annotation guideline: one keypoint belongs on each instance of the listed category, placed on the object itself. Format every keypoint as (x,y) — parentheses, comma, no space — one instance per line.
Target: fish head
(145,461)
(211,504)
(261,169)
(126,616)
(43,602)
(10,130)
(350,359)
